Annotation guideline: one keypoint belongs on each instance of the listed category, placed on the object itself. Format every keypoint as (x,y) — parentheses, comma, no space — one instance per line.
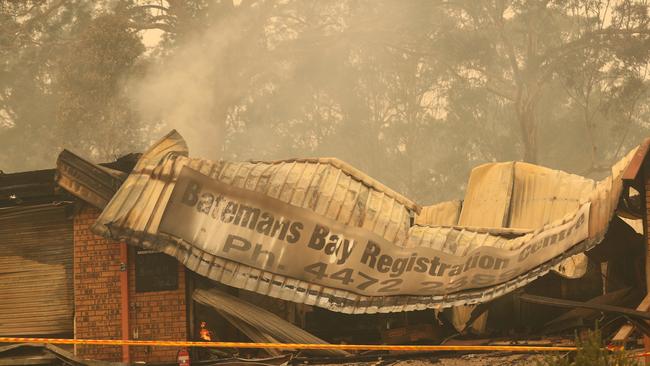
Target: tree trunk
(528,123)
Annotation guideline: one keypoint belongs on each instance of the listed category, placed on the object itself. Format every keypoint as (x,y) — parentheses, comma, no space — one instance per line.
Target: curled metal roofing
(506,206)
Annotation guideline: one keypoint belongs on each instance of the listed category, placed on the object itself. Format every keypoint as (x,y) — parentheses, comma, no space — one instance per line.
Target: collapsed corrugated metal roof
(93,183)
(514,195)
(512,213)
(440,214)
(258,323)
(29,188)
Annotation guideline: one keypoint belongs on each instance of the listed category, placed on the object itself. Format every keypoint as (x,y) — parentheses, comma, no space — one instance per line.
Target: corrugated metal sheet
(636,224)
(45,354)
(441,214)
(131,189)
(92,183)
(488,196)
(30,188)
(325,186)
(260,321)
(514,195)
(354,174)
(541,195)
(36,271)
(521,195)
(497,197)
(632,169)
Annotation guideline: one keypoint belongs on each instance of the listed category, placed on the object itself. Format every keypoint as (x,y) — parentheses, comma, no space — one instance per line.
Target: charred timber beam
(542,300)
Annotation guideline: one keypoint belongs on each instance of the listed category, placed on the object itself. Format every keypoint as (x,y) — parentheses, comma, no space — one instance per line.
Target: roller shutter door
(36,279)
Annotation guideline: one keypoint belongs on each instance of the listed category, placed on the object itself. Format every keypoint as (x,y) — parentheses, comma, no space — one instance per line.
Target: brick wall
(152,315)
(646,222)
(96,289)
(157,316)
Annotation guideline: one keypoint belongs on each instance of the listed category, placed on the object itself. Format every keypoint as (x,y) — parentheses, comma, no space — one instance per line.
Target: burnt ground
(479,359)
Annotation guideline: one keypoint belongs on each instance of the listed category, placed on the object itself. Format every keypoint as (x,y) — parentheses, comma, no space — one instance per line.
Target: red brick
(160,315)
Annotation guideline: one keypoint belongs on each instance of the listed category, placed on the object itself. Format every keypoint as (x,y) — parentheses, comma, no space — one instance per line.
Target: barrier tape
(639,355)
(619,348)
(293,346)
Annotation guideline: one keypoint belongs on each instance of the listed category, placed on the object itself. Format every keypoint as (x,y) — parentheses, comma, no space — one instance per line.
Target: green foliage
(63,72)
(90,83)
(591,352)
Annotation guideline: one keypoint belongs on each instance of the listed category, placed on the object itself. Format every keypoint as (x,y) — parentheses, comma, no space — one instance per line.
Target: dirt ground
(482,359)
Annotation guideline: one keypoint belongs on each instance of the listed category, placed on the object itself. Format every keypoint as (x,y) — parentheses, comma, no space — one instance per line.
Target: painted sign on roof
(319,232)
(215,219)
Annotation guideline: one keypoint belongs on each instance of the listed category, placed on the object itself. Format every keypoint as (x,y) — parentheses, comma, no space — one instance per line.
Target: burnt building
(60,278)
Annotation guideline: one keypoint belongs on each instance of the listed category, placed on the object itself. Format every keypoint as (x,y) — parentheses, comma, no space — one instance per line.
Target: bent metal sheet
(265,233)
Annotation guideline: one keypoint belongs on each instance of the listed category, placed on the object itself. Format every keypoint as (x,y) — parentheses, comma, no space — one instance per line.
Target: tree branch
(551,56)
(510,50)
(142,26)
(146,7)
(47,12)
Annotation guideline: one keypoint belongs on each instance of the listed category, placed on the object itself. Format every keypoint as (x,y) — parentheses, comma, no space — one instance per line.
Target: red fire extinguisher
(183,357)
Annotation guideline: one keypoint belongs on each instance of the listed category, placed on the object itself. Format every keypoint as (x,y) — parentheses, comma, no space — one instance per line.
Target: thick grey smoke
(189,90)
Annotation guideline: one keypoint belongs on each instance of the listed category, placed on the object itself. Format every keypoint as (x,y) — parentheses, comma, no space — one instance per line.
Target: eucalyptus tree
(520,51)
(63,63)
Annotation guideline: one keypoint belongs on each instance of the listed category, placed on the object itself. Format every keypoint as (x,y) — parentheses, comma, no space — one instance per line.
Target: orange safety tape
(615,348)
(356,347)
(643,354)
